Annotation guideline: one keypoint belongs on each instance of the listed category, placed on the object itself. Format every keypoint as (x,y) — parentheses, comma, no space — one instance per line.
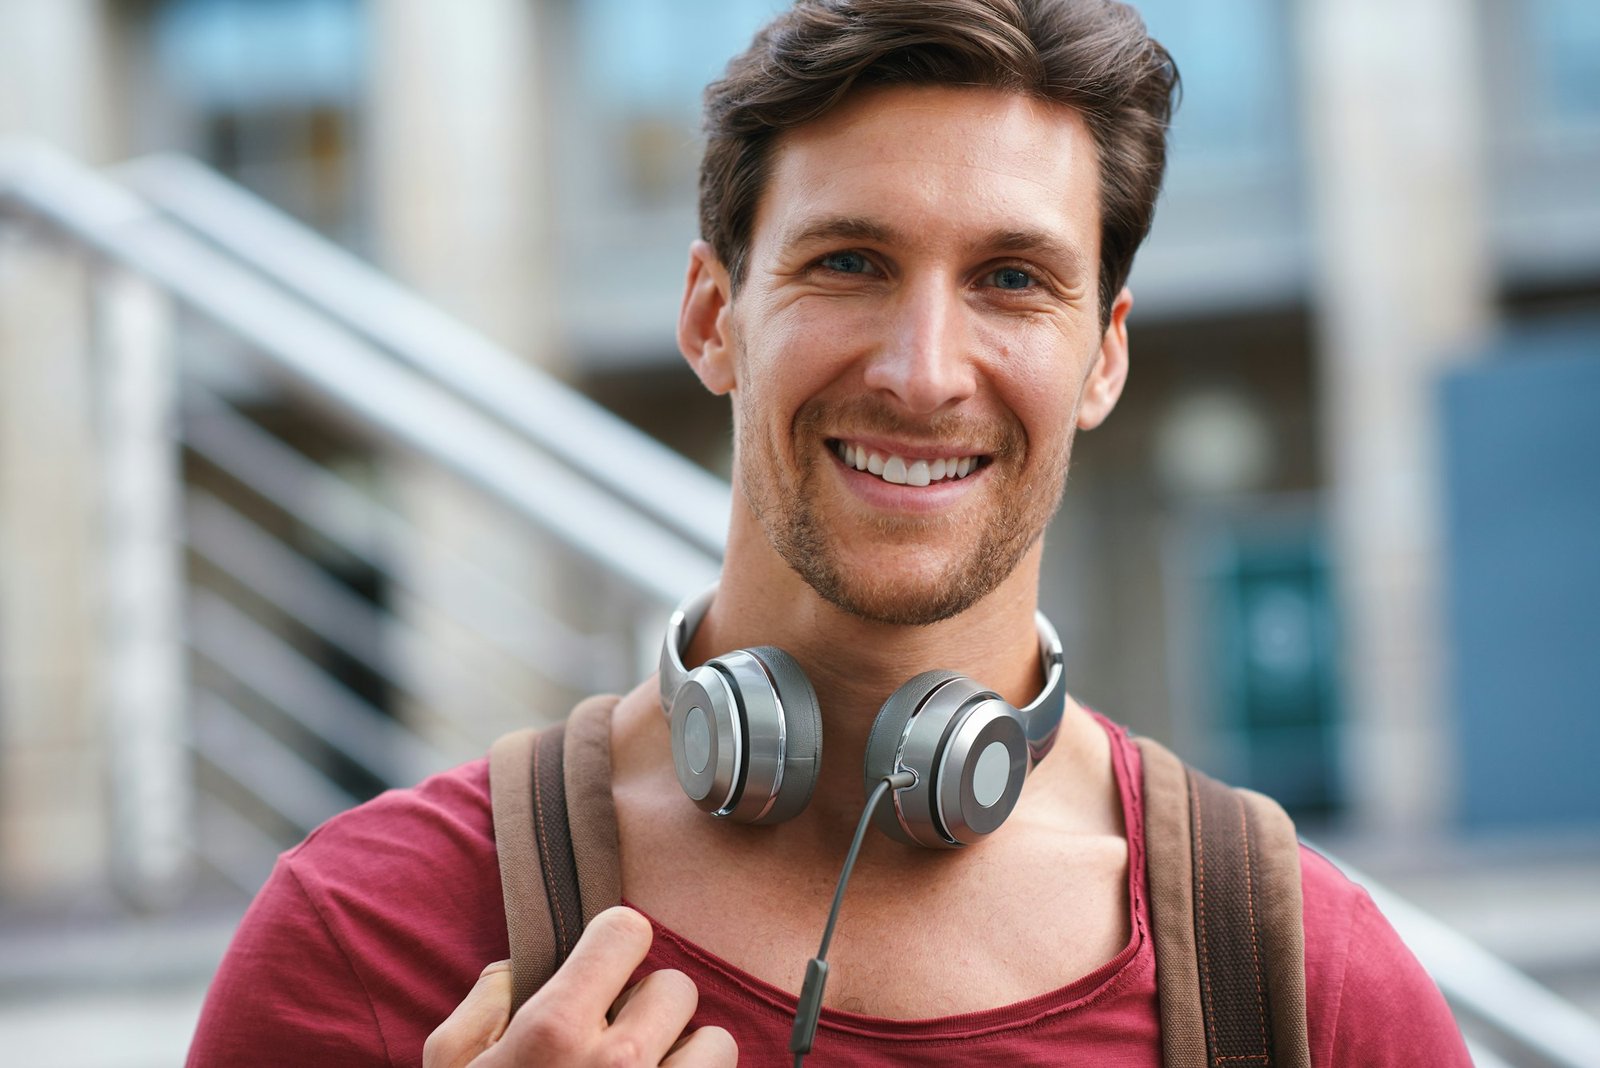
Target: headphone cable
(809,1008)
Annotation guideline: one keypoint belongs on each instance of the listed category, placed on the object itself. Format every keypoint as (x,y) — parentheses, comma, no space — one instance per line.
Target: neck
(854,664)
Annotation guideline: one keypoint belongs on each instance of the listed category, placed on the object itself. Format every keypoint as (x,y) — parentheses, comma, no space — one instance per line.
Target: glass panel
(272,90)
(1273,661)
(1237,92)
(245,53)
(644,65)
(1564,39)
(651,56)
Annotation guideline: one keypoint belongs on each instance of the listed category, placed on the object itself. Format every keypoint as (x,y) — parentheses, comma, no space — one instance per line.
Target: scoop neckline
(1103,981)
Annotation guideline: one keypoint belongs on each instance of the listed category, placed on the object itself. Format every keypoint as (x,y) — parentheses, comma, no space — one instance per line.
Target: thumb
(476,1024)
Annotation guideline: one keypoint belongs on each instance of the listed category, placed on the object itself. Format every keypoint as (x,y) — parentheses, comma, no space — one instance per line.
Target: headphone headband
(1040,717)
(685,620)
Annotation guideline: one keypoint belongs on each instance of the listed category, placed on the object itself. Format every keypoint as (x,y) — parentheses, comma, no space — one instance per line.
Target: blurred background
(342,429)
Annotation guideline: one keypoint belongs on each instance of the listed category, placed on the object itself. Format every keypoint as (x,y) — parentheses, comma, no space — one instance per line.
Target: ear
(1110,370)
(704,335)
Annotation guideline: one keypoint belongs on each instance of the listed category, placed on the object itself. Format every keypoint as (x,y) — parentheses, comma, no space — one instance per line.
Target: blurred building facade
(1339,542)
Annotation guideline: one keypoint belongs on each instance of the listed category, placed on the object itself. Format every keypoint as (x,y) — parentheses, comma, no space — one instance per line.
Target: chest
(921,934)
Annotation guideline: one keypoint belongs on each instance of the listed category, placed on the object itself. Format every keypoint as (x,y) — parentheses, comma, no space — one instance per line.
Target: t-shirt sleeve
(286,993)
(365,936)
(1369,1002)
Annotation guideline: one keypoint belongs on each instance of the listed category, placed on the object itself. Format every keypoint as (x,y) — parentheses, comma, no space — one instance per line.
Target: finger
(707,1047)
(626,996)
(622,999)
(655,1011)
(476,1024)
(611,949)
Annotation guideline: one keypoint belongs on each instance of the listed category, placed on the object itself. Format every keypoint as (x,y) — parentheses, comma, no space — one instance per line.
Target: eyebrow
(835,227)
(858,228)
(1041,244)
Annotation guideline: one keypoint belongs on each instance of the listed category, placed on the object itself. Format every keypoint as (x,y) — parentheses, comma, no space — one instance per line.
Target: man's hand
(582,1016)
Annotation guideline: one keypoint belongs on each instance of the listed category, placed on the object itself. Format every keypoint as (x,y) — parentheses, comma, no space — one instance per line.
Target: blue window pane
(657,55)
(1565,39)
(253,53)
(1237,90)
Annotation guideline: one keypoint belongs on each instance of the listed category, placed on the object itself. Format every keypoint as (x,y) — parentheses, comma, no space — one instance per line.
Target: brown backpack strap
(1224,877)
(555,830)
(591,810)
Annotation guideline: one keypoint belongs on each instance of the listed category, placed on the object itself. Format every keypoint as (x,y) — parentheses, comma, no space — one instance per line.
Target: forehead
(937,162)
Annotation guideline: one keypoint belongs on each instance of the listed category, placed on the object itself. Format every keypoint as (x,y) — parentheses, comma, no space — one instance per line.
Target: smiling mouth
(901,471)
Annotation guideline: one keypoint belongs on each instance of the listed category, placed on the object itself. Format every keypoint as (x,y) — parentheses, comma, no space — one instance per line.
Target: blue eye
(1012,278)
(846,262)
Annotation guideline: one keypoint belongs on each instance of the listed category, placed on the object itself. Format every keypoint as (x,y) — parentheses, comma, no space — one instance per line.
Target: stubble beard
(1015,513)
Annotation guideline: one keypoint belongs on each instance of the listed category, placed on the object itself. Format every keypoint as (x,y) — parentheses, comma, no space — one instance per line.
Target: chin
(896,605)
(897,570)
(900,595)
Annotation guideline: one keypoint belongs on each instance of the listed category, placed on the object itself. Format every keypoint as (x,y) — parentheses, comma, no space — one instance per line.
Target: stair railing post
(143,669)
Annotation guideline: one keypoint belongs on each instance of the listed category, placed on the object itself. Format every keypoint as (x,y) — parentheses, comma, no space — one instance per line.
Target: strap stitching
(1255,946)
(543,835)
(1200,910)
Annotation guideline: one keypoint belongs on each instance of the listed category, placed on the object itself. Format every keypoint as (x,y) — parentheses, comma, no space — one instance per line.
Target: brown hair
(1092,55)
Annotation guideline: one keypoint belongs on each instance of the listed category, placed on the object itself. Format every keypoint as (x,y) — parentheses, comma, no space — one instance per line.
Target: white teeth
(903,472)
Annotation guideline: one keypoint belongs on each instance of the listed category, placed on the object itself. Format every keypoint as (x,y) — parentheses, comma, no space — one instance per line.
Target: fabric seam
(344,952)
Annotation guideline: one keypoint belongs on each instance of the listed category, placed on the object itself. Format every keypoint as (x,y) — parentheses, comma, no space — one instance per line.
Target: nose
(925,361)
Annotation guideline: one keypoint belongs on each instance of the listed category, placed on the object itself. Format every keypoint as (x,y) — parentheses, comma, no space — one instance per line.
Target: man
(918,221)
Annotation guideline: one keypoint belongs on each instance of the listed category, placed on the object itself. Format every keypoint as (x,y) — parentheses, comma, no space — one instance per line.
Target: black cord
(809,1007)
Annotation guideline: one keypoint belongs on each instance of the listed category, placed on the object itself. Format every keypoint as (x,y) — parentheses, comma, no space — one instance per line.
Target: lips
(906,470)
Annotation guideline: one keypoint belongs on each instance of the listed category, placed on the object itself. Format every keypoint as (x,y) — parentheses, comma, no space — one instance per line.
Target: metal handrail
(381,642)
(391,401)
(265,664)
(322,502)
(270,770)
(562,422)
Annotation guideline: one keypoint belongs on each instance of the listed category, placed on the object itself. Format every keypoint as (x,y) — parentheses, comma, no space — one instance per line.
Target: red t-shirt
(370,932)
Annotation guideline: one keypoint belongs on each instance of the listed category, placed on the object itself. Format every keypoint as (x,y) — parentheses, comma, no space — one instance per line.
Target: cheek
(804,346)
(1039,382)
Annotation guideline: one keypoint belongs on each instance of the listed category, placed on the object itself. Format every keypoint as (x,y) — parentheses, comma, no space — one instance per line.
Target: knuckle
(550,1033)
(622,1052)
(437,1050)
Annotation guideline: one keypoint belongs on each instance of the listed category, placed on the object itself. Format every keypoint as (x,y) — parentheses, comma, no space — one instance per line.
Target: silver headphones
(747,738)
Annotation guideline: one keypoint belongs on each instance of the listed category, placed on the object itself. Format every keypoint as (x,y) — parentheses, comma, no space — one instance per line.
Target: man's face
(920,301)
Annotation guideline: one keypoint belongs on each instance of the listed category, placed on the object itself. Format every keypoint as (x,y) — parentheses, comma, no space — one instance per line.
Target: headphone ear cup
(802,718)
(884,741)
